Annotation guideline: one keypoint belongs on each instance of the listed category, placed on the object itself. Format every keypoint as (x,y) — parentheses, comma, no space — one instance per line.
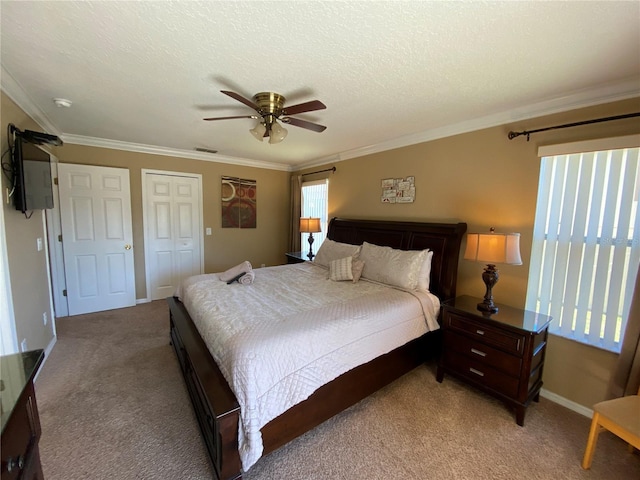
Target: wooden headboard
(443,239)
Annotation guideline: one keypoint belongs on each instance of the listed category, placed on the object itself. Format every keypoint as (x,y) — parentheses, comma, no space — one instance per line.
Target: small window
(586,243)
(315,203)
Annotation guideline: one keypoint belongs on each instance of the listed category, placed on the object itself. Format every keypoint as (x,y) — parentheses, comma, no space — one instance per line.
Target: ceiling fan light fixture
(258,131)
(278,133)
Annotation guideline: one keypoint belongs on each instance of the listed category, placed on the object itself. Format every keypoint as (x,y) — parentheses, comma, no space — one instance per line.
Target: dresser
(501,353)
(20,421)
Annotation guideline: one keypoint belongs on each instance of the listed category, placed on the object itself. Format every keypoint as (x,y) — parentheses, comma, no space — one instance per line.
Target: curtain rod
(513,135)
(332,169)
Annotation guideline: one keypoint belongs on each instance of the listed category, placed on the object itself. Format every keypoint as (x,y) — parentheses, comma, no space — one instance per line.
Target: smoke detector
(62,102)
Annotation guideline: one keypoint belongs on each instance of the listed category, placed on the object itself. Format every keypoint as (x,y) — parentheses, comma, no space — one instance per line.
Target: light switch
(39,243)
(208,230)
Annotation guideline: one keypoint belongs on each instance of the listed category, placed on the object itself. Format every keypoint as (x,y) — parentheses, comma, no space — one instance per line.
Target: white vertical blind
(315,203)
(586,244)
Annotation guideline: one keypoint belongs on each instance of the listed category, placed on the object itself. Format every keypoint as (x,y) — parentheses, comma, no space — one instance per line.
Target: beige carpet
(114,406)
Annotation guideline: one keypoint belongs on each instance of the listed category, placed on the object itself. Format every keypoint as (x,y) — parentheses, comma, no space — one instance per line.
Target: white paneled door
(97,239)
(173,230)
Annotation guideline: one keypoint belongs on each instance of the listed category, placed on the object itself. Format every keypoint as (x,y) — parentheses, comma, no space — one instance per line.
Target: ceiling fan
(269,107)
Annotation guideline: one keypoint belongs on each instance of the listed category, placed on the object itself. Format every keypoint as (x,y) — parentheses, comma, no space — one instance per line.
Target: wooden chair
(621,416)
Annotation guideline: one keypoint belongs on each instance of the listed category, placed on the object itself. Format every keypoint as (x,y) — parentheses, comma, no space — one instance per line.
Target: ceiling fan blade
(304,124)
(229,118)
(241,99)
(304,107)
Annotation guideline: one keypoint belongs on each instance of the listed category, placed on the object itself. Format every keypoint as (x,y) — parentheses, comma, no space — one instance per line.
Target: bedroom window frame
(584,260)
(315,203)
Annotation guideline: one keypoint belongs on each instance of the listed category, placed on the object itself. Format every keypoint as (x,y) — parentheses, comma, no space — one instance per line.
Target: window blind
(586,244)
(315,203)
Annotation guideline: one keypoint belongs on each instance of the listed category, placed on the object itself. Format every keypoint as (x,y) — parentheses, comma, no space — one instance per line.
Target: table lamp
(310,226)
(492,248)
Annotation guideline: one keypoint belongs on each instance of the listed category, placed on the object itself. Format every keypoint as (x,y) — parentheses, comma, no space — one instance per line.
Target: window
(586,240)
(8,339)
(315,203)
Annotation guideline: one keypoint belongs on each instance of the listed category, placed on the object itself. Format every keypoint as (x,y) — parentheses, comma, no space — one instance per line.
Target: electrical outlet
(262,265)
(23,345)
(208,230)
(44,318)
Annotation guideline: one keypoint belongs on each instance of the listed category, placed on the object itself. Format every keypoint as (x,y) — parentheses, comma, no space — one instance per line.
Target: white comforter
(293,330)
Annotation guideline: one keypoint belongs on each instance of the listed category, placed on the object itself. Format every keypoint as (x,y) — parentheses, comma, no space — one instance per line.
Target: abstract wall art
(239,207)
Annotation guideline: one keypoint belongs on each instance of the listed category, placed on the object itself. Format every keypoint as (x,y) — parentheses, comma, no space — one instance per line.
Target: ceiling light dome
(258,131)
(277,133)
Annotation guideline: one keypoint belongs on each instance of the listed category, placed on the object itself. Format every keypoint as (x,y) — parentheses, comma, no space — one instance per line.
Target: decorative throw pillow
(340,269)
(356,269)
(424,277)
(330,250)
(399,268)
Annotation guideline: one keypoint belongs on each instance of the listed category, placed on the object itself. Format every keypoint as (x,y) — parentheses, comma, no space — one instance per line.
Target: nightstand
(501,354)
(296,257)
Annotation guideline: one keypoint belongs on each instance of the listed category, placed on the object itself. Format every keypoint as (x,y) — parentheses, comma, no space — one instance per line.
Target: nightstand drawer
(508,341)
(482,373)
(20,436)
(507,363)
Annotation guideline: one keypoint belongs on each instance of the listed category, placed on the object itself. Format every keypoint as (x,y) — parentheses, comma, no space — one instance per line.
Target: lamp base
(487,307)
(490,278)
(310,240)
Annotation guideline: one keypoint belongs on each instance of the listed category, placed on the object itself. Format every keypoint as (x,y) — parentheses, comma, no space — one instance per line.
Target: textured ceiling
(142,75)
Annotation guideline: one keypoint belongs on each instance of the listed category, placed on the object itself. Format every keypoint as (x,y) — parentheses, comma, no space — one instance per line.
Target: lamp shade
(494,248)
(277,133)
(310,225)
(258,131)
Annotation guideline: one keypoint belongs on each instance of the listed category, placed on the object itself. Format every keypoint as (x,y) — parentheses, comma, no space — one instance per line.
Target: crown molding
(581,99)
(170,152)
(20,97)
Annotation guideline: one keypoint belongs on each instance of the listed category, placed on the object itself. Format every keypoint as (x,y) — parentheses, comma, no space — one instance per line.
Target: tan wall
(226,246)
(27,266)
(484,179)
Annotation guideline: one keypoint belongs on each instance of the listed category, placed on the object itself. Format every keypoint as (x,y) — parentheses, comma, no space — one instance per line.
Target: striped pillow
(340,269)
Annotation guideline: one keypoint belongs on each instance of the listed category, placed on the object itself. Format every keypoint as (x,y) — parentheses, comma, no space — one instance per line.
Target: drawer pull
(15,463)
(477,372)
(480,332)
(478,352)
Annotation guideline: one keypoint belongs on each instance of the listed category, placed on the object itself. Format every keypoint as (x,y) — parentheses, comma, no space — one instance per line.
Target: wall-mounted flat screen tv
(32,170)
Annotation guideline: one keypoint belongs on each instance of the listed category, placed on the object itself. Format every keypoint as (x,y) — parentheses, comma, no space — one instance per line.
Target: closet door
(173,230)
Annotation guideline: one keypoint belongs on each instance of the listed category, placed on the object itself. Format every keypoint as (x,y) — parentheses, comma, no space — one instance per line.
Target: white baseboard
(142,300)
(47,352)
(576,407)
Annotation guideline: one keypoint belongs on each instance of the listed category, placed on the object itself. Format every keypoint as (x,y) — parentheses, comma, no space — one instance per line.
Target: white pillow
(399,268)
(424,277)
(340,269)
(356,269)
(330,250)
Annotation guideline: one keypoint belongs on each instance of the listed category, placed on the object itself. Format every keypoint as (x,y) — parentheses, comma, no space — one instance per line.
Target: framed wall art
(398,190)
(239,207)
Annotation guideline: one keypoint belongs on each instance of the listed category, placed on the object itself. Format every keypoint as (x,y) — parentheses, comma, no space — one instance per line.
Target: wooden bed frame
(214,403)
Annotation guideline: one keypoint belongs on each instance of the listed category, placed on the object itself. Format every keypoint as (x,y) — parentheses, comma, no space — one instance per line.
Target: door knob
(127,247)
